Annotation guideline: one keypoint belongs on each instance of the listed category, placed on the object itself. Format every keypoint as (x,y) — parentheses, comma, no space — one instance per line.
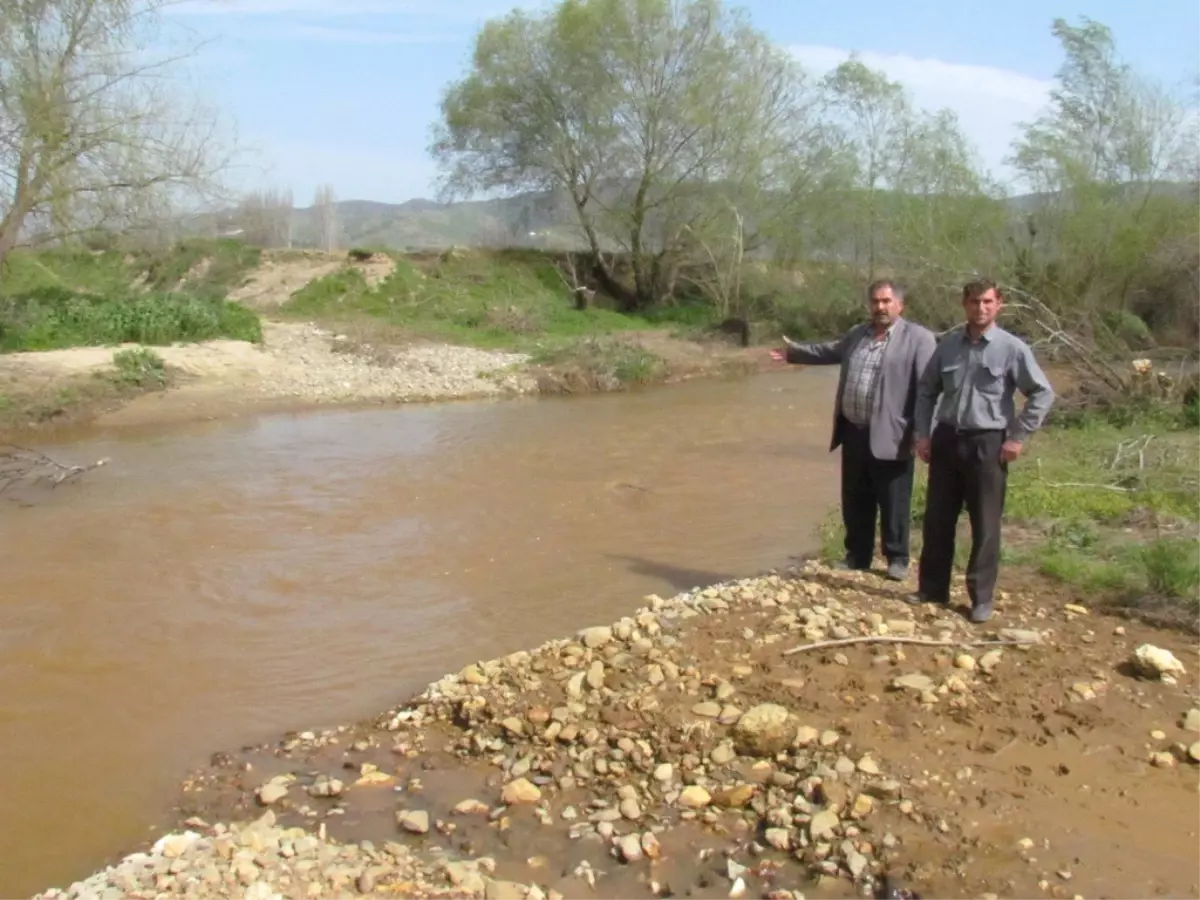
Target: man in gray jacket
(881,363)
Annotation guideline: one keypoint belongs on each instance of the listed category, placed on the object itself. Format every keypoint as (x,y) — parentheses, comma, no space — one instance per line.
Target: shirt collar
(988,335)
(887,332)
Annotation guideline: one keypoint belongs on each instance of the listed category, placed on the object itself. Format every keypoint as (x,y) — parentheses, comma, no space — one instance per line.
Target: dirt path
(683,752)
(282,273)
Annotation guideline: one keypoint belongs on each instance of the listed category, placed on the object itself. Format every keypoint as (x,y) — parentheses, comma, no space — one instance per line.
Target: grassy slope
(498,299)
(61,299)
(57,299)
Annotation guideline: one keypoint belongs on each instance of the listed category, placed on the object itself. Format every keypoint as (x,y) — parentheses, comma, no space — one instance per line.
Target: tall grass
(73,297)
(52,318)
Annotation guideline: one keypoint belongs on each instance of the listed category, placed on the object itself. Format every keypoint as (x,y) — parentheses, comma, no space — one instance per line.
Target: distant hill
(531,219)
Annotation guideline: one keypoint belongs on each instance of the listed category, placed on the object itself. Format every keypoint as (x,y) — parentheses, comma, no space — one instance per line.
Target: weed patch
(597,364)
(53,318)
(140,367)
(73,297)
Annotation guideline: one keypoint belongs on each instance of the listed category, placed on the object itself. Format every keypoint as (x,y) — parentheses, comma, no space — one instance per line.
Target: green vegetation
(510,298)
(1111,508)
(69,298)
(602,363)
(836,180)
(140,367)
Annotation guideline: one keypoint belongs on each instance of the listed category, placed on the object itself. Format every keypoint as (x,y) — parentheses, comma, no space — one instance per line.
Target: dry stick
(887,639)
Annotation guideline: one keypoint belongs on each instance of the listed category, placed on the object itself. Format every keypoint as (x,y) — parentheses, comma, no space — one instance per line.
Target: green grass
(601,363)
(140,367)
(506,299)
(1108,509)
(52,318)
(70,298)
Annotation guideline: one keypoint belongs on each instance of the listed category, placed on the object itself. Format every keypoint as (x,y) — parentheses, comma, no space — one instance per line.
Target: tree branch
(921,642)
(19,464)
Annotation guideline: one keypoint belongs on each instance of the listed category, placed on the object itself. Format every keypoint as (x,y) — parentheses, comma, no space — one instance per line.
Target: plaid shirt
(861,377)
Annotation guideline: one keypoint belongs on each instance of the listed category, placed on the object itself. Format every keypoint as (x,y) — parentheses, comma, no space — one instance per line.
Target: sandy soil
(282,273)
(683,752)
(298,364)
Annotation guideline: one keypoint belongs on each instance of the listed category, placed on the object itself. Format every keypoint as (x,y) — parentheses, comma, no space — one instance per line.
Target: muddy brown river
(219,583)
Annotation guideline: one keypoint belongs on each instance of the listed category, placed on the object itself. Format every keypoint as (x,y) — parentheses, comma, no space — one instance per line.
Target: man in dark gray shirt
(975,370)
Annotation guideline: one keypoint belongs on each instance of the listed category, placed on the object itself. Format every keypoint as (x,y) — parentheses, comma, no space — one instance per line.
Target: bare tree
(325,207)
(92,132)
(279,207)
(717,269)
(581,294)
(265,218)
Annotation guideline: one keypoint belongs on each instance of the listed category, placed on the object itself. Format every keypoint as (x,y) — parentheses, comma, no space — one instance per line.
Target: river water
(219,583)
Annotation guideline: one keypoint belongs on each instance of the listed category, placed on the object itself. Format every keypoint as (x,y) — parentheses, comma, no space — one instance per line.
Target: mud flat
(683,751)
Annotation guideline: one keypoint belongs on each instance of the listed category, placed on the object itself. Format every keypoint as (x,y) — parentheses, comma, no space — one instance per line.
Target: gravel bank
(681,752)
(313,364)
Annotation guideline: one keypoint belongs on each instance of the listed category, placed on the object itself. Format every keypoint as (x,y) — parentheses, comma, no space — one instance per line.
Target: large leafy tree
(1113,160)
(661,120)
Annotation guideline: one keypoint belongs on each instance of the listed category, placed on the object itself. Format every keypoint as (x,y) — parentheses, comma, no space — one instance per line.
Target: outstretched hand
(781,355)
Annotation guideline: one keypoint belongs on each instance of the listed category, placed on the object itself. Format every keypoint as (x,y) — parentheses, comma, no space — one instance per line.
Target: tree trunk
(10,231)
(626,300)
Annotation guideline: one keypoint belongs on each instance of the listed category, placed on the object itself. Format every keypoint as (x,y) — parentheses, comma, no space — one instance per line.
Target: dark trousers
(874,489)
(965,469)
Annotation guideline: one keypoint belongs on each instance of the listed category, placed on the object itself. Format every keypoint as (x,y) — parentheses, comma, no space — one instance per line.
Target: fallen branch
(1115,488)
(1087,485)
(22,464)
(1139,444)
(888,639)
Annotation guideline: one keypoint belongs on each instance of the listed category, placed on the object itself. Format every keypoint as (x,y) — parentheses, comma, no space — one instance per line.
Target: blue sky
(344,91)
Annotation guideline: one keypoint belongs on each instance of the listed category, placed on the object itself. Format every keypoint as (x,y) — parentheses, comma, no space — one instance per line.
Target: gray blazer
(903,362)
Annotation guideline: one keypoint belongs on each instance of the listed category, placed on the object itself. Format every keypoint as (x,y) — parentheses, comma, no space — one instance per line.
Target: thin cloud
(278,7)
(458,10)
(990,102)
(363,36)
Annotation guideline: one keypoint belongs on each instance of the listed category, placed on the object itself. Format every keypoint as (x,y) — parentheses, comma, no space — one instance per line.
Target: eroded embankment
(683,751)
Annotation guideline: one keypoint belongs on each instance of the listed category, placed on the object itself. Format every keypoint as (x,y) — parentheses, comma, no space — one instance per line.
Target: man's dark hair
(978,288)
(878,285)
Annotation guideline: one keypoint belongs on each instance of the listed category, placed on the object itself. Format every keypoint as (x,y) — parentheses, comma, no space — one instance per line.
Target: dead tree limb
(19,464)
(922,642)
(580,293)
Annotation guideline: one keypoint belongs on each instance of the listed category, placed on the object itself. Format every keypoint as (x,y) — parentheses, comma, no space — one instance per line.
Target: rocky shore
(800,734)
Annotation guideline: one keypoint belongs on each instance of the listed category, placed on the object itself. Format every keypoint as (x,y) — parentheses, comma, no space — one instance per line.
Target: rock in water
(694,797)
(520,791)
(414,821)
(764,730)
(1155,662)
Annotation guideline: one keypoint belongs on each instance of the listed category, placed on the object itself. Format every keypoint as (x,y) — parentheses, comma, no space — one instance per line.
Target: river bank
(684,751)
(304,365)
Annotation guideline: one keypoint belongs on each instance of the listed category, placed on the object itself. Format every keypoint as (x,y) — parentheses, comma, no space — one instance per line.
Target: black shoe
(920,598)
(847,565)
(981,612)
